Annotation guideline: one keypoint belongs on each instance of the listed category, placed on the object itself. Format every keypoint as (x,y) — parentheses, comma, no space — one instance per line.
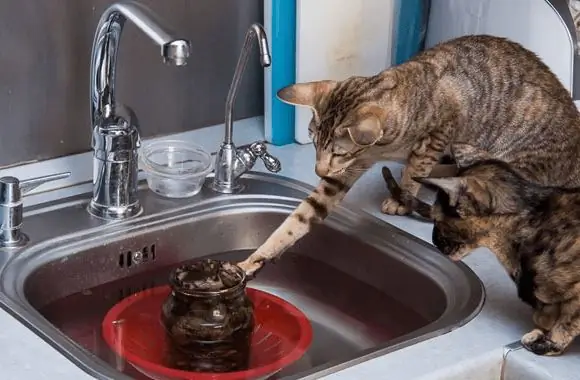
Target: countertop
(473,351)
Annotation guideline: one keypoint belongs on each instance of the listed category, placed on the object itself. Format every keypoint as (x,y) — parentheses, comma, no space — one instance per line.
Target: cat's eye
(339,151)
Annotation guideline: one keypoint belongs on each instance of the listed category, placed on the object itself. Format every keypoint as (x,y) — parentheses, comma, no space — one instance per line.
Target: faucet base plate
(225,189)
(18,242)
(114,213)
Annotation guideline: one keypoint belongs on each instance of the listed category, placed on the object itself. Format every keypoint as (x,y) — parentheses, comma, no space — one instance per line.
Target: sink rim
(17,304)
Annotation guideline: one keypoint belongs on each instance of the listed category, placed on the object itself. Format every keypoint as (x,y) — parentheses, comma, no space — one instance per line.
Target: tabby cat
(533,230)
(489,93)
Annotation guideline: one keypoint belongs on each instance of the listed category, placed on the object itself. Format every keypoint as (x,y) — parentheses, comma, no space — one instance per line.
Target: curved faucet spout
(106,46)
(255,30)
(231,163)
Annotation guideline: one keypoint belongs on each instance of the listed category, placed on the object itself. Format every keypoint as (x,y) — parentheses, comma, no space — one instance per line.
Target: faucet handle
(259,149)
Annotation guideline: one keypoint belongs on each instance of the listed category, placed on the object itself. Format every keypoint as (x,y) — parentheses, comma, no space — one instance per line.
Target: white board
(336,39)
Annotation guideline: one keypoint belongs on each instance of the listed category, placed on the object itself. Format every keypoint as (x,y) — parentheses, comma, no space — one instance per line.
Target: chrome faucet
(115,139)
(230,162)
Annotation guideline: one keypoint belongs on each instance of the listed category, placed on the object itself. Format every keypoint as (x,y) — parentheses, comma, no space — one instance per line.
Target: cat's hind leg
(557,339)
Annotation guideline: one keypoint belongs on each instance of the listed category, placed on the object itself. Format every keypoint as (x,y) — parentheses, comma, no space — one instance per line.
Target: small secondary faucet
(115,139)
(230,162)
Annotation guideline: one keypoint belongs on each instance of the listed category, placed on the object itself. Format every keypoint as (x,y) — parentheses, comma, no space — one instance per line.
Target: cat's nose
(321,171)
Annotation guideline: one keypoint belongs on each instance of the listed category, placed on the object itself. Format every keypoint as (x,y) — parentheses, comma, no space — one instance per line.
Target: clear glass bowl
(174,168)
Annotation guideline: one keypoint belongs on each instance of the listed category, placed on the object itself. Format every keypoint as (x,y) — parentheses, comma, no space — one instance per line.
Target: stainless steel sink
(367,287)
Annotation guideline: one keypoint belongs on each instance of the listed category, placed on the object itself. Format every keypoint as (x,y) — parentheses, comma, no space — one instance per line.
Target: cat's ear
(369,127)
(306,94)
(453,186)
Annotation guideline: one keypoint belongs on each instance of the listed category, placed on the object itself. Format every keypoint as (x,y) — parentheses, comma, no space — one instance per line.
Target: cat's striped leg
(314,209)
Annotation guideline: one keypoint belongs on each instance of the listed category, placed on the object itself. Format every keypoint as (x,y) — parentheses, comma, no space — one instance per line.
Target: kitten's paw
(391,206)
(538,343)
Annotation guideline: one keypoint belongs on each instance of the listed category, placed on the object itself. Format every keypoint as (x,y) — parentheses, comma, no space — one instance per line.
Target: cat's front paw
(251,267)
(538,342)
(391,206)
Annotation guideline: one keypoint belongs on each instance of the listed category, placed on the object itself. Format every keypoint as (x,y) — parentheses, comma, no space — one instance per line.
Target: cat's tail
(417,205)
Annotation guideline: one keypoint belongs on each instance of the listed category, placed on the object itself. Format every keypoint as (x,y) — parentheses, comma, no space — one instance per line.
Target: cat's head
(469,208)
(347,119)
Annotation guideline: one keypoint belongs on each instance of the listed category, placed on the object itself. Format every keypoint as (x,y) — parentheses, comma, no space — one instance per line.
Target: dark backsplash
(45,48)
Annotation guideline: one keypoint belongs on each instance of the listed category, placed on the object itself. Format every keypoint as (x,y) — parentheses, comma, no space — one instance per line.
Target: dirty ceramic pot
(208,317)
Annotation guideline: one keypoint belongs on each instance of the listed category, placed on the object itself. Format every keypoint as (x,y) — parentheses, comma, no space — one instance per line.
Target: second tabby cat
(533,230)
(489,93)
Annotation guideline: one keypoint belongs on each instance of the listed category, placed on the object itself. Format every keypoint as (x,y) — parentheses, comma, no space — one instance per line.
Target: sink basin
(367,287)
